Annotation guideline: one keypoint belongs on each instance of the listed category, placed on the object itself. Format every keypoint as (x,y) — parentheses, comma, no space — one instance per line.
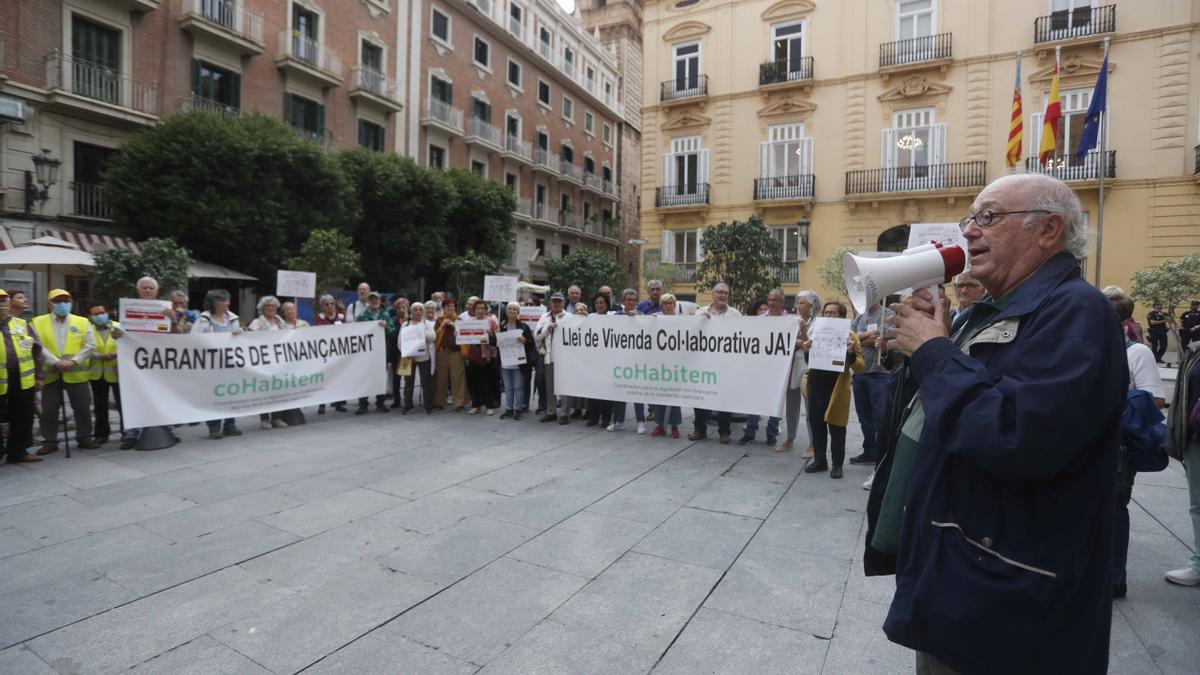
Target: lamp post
(45,167)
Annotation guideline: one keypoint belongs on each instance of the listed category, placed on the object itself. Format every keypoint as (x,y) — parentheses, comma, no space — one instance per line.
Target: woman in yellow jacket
(830,391)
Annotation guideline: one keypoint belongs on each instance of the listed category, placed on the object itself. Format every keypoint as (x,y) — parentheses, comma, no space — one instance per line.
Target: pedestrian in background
(1156,322)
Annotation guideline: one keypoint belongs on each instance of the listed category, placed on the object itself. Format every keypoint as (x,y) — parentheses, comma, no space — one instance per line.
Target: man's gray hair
(720,284)
(811,298)
(776,291)
(654,282)
(328,297)
(179,293)
(1052,195)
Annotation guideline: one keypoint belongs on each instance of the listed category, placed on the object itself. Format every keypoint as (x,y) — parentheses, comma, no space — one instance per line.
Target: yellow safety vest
(105,369)
(76,333)
(23,345)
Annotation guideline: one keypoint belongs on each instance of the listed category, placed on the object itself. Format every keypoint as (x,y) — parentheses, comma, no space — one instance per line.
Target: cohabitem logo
(261,385)
(664,373)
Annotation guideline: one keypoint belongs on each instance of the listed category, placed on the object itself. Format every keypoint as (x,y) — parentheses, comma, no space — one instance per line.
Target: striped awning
(94,243)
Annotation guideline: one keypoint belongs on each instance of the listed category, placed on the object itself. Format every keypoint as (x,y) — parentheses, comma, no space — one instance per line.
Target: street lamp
(45,166)
(803,227)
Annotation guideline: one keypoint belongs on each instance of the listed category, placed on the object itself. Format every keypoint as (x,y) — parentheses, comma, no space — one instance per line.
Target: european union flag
(1091,125)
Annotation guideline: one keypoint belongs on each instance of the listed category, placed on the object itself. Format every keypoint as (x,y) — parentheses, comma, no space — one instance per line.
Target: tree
(653,267)
(1169,283)
(589,270)
(118,269)
(465,273)
(743,254)
(331,255)
(243,192)
(480,216)
(832,272)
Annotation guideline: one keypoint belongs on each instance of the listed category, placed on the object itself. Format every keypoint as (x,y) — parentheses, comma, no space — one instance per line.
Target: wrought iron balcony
(569,220)
(306,56)
(516,149)
(545,214)
(785,187)
(524,210)
(225,20)
(321,138)
(785,70)
(545,50)
(90,201)
(372,85)
(593,182)
(197,103)
(1075,23)
(544,161)
(692,194)
(914,50)
(917,178)
(1069,168)
(673,90)
(441,114)
(480,132)
(570,172)
(90,80)
(515,27)
(789,273)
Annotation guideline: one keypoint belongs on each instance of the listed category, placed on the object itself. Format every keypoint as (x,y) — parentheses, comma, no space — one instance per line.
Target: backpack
(1143,432)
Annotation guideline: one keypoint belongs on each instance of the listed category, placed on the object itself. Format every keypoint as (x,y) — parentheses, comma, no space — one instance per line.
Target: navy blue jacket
(1004,563)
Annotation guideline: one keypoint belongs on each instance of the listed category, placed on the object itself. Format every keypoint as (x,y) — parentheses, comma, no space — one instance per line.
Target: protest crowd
(933,388)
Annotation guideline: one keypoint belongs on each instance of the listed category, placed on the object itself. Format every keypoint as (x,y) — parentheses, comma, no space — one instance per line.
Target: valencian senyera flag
(1016,128)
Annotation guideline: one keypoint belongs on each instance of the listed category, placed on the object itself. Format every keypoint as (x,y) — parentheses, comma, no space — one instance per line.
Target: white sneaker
(490,412)
(265,425)
(869,482)
(473,411)
(1188,576)
(279,424)
(615,426)
(641,427)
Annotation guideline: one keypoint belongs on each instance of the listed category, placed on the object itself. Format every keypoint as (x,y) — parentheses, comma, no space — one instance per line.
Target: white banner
(471,332)
(498,288)
(291,284)
(512,353)
(729,364)
(173,379)
(413,342)
(144,316)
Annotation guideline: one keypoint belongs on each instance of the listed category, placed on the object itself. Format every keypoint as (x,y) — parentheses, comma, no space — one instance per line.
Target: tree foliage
(1170,283)
(743,254)
(480,215)
(832,272)
(465,273)
(242,192)
(331,255)
(653,268)
(589,270)
(118,269)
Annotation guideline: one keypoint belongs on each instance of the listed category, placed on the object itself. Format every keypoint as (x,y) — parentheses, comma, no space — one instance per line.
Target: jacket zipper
(981,547)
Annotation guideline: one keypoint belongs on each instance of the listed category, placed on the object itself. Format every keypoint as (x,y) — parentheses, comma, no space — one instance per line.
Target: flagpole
(1103,170)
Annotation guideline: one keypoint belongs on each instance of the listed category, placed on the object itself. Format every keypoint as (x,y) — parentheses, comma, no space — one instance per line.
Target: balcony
(484,6)
(546,52)
(592,182)
(785,71)
(486,136)
(308,58)
(515,27)
(570,221)
(369,85)
(90,201)
(957,176)
(1080,22)
(321,138)
(137,5)
(543,161)
(798,188)
(921,52)
(789,273)
(441,115)
(676,196)
(524,210)
(517,150)
(227,22)
(545,215)
(689,271)
(570,173)
(99,93)
(197,103)
(687,89)
(1071,168)
(610,189)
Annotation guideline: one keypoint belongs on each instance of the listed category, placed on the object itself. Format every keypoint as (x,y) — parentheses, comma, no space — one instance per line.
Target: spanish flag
(1050,123)
(1016,128)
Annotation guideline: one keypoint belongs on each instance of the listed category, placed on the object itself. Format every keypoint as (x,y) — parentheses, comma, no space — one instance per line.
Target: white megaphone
(870,280)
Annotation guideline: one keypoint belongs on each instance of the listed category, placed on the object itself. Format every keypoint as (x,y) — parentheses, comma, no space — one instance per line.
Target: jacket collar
(1029,295)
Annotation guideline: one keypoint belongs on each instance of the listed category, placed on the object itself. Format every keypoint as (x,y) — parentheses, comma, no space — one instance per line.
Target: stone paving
(454,544)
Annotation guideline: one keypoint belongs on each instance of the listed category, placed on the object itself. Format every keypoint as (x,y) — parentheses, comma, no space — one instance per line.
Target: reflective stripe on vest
(18,330)
(105,369)
(76,334)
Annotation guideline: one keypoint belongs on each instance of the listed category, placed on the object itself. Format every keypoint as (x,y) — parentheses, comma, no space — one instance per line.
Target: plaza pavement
(454,544)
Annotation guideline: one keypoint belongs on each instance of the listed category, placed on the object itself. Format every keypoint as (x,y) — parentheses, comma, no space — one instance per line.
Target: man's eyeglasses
(973,284)
(985,219)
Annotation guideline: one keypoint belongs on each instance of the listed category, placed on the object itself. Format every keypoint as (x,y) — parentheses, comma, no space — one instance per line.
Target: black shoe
(321,409)
(382,407)
(340,407)
(564,419)
(746,439)
(816,467)
(772,441)
(128,443)
(548,418)
(865,458)
(429,411)
(835,472)
(1119,590)
(406,409)
(232,431)
(577,414)
(516,416)
(507,414)
(362,410)
(591,423)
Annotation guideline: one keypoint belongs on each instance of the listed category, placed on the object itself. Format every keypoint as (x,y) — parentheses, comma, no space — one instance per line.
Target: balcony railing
(99,82)
(481,129)
(545,213)
(785,70)
(311,52)
(545,50)
(608,187)
(689,271)
(570,171)
(681,195)
(516,28)
(1074,23)
(524,208)
(1072,168)
(785,187)
(91,201)
(917,178)
(593,181)
(1197,160)
(230,15)
(789,273)
(569,220)
(688,87)
(914,50)
(197,103)
(444,113)
(542,159)
(371,80)
(318,137)
(513,145)
(484,6)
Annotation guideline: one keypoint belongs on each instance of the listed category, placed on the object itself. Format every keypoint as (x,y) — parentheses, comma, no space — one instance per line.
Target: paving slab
(715,642)
(39,609)
(83,471)
(206,518)
(430,479)
(584,544)
(385,648)
(21,660)
(13,542)
(439,510)
(88,521)
(739,496)
(457,551)
(554,648)
(19,485)
(859,645)
(202,656)
(704,538)
(49,564)
(316,517)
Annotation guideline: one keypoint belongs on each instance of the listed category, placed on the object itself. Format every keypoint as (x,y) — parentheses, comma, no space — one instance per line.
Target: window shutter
(699,245)
(668,241)
(235,81)
(668,171)
(702,171)
(937,142)
(1033,137)
(806,155)
(449,94)
(764,160)
(887,154)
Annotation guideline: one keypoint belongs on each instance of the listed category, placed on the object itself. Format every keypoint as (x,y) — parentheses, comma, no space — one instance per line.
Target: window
(568,110)
(512,126)
(606,133)
(304,35)
(587,211)
(437,157)
(566,250)
(539,196)
(97,61)
(564,203)
(514,73)
(478,168)
(370,136)
(90,161)
(786,153)
(589,122)
(568,59)
(372,56)
(481,110)
(914,19)
(540,245)
(787,48)
(686,58)
(441,90)
(1066,15)
(510,181)
(606,173)
(566,152)
(1075,103)
(681,247)
(589,74)
(685,167)
(516,19)
(608,91)
(794,243)
(303,114)
(589,165)
(483,53)
(543,93)
(215,88)
(914,142)
(544,47)
(543,141)
(439,26)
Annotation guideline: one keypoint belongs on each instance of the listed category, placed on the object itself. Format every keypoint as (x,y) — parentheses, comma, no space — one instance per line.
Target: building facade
(842,123)
(519,92)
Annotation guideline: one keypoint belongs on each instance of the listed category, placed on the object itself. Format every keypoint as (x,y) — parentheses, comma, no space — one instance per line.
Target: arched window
(893,239)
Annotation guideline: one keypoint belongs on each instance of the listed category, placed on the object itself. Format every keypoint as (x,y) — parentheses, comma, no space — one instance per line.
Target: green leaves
(1170,283)
(743,254)
(331,255)
(118,269)
(587,269)
(832,271)
(465,273)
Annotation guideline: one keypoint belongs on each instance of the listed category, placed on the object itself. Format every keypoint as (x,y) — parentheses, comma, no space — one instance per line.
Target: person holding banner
(103,371)
(450,375)
(674,416)
(515,375)
(629,301)
(329,316)
(67,348)
(545,338)
(376,312)
(717,309)
(416,346)
(483,380)
(652,304)
(774,308)
(268,319)
(18,379)
(184,317)
(216,318)
(830,393)
(599,412)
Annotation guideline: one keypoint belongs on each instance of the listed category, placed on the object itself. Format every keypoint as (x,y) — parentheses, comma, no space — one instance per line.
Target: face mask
(62,308)
(100,320)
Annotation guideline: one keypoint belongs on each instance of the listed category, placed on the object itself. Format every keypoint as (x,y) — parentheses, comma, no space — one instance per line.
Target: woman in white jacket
(420,364)
(807,303)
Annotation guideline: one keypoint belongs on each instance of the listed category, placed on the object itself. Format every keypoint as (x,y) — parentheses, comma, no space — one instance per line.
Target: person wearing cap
(68,345)
(544,335)
(17,383)
(103,370)
(376,312)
